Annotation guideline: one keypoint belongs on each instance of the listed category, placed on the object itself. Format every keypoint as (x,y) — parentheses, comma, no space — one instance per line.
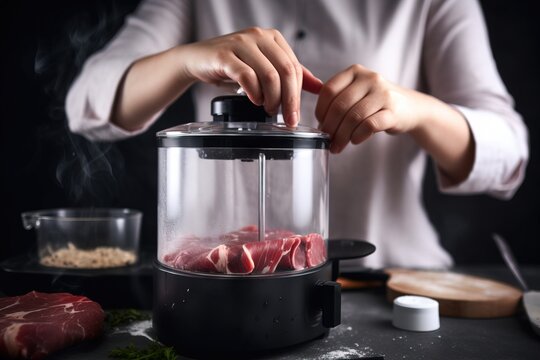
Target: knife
(531,298)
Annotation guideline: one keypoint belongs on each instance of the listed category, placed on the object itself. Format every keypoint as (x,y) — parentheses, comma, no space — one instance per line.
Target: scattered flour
(347,353)
(340,330)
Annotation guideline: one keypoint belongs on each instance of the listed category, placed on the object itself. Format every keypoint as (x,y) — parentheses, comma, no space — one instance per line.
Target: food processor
(244,263)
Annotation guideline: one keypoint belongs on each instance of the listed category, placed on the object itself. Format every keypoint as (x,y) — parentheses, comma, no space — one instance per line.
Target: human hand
(357,102)
(260,61)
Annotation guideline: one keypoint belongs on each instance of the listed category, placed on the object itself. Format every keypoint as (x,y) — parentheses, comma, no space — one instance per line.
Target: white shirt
(434,46)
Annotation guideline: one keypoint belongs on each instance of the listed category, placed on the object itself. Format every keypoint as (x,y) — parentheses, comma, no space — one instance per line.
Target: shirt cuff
(498,167)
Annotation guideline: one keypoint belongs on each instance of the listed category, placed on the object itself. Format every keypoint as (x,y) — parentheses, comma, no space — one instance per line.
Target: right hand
(259,60)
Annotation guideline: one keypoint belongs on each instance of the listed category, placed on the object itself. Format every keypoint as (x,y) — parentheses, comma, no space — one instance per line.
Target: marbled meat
(240,252)
(37,324)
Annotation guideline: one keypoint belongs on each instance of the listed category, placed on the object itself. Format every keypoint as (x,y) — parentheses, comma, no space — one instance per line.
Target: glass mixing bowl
(86,238)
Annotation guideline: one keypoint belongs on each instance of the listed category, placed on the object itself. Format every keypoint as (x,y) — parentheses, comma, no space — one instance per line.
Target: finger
(341,105)
(284,45)
(229,86)
(287,69)
(280,40)
(360,111)
(245,76)
(267,75)
(375,123)
(329,92)
(310,82)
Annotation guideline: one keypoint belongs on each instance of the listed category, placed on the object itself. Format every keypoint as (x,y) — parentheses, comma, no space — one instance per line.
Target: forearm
(445,135)
(149,85)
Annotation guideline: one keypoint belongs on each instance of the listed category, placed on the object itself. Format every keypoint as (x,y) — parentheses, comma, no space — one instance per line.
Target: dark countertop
(367,332)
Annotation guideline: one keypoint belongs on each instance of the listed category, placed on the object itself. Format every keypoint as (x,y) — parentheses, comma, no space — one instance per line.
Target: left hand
(357,102)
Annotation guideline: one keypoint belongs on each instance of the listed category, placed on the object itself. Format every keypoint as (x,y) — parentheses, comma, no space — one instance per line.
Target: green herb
(154,351)
(125,316)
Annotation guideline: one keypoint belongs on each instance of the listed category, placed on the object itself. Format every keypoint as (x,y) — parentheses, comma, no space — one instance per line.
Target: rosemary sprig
(154,351)
(119,317)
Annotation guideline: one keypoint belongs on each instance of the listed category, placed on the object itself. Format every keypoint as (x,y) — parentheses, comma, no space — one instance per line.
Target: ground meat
(96,258)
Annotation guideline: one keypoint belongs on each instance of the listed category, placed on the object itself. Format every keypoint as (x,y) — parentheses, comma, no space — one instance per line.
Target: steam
(87,171)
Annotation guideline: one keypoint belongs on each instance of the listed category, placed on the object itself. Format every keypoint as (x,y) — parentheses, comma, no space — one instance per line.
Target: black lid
(238,108)
(240,124)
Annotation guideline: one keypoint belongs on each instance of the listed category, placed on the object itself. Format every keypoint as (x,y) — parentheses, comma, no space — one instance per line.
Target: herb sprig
(154,351)
(119,317)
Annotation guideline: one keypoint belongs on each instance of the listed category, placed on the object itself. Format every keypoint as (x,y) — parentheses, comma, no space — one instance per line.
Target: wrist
(443,132)
(423,111)
(180,56)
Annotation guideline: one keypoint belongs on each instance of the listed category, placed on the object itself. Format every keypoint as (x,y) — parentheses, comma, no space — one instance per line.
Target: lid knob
(238,108)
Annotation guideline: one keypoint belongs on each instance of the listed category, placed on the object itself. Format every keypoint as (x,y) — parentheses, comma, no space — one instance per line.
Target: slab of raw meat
(37,324)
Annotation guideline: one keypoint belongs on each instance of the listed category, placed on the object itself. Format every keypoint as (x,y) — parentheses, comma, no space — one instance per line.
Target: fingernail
(293,119)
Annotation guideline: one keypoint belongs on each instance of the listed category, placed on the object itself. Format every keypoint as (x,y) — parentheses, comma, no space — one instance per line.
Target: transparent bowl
(86,238)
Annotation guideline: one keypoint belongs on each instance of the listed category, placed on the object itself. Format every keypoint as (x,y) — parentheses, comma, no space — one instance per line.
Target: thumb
(310,82)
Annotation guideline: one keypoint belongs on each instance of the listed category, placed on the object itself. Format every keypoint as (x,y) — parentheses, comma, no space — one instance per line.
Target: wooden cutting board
(458,295)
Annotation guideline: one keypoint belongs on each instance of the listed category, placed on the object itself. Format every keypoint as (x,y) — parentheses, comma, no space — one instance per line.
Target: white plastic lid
(416,313)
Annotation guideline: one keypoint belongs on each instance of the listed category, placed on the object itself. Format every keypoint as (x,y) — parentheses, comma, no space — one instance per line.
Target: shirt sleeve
(155,26)
(460,70)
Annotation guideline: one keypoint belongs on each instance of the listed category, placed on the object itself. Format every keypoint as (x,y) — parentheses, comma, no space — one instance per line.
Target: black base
(217,314)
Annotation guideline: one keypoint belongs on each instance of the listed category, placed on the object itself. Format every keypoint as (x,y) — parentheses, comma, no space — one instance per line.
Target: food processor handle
(30,220)
(331,303)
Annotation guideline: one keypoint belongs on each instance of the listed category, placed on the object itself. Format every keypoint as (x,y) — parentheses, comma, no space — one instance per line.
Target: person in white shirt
(391,82)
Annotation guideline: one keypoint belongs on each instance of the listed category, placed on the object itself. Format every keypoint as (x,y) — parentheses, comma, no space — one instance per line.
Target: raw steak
(240,252)
(37,324)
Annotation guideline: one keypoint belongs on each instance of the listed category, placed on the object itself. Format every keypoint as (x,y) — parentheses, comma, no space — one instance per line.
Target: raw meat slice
(185,243)
(239,261)
(221,259)
(267,254)
(315,249)
(296,258)
(231,260)
(196,258)
(37,324)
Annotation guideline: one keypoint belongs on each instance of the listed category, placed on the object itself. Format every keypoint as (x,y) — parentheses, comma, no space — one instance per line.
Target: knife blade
(531,298)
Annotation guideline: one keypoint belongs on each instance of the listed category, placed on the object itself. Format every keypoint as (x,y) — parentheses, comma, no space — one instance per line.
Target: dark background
(44,44)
